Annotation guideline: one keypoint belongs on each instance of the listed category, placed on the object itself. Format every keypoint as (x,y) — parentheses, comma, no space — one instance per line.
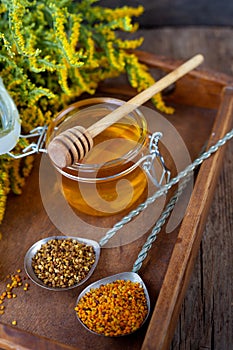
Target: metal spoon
(185,174)
(36,247)
(96,245)
(126,276)
(133,275)
(153,153)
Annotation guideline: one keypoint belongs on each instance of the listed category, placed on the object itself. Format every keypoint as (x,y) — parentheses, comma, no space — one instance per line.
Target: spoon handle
(184,174)
(158,226)
(145,95)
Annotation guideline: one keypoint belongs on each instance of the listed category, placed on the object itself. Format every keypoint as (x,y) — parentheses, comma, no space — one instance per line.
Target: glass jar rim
(89,168)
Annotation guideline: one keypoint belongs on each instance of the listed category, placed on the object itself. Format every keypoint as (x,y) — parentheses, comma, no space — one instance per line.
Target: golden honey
(109,179)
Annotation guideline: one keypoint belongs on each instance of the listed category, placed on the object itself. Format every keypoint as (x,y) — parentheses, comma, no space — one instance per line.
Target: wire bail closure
(147,161)
(34,147)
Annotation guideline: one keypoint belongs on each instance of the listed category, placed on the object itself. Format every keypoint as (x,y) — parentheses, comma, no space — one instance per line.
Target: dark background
(179,12)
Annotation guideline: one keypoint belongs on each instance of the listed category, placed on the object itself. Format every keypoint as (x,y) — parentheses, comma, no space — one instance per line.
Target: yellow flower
(51,53)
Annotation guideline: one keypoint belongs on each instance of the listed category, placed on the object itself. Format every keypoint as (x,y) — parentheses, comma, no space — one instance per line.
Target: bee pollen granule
(113,309)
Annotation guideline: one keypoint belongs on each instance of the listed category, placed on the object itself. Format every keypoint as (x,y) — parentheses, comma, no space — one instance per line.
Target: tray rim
(10,336)
(212,166)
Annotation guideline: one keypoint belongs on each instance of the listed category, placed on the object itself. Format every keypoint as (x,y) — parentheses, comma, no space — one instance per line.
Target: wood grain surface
(206,320)
(206,316)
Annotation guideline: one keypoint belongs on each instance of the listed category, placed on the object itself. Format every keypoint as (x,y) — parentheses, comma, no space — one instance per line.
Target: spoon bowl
(36,247)
(126,276)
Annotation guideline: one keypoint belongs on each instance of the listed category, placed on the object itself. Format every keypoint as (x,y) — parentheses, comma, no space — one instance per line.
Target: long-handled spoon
(73,144)
(110,233)
(126,323)
(133,275)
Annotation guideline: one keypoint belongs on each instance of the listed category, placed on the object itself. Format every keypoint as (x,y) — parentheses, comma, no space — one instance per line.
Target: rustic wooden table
(206,320)
(206,317)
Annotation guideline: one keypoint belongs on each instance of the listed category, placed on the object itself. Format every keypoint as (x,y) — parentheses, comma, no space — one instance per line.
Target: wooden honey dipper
(73,144)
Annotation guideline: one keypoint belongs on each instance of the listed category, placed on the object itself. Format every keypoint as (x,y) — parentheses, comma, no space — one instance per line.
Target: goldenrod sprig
(67,47)
(54,51)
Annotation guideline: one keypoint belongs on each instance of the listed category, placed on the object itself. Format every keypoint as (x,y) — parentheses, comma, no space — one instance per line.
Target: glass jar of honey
(110,178)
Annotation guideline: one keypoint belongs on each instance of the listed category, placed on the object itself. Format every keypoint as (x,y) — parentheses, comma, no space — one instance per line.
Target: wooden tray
(46,320)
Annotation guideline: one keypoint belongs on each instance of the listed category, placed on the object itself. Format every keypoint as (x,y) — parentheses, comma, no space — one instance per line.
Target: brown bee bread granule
(63,262)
